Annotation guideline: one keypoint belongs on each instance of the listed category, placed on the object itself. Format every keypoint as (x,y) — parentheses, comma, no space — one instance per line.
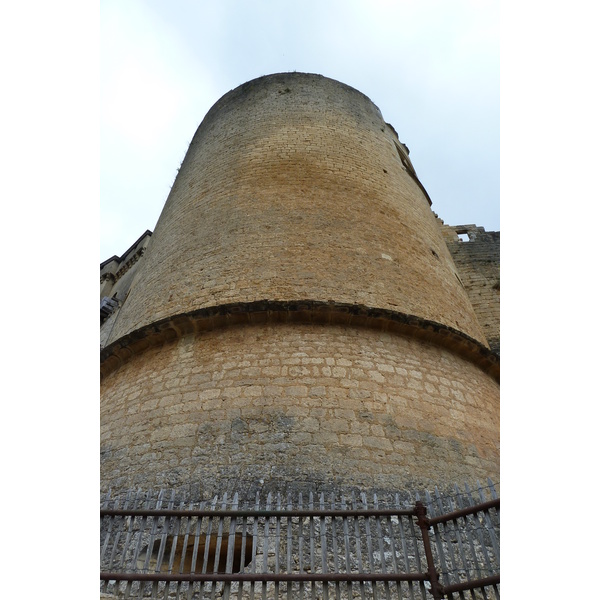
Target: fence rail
(436,546)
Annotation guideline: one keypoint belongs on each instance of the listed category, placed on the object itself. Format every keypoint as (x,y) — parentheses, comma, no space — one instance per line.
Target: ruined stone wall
(476,254)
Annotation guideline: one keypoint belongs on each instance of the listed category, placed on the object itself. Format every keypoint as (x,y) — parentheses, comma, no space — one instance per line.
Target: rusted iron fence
(305,547)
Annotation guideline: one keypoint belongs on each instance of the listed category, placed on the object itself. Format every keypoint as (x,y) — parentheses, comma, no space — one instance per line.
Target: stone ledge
(298,311)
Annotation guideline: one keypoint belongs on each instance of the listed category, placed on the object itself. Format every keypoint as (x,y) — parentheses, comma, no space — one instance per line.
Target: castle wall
(117,275)
(294,187)
(297,405)
(297,318)
(477,259)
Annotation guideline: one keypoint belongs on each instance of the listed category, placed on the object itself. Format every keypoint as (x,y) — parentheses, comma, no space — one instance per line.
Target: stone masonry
(477,259)
(299,318)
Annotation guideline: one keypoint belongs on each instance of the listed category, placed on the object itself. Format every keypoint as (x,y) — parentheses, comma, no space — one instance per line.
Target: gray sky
(433,70)
(432,67)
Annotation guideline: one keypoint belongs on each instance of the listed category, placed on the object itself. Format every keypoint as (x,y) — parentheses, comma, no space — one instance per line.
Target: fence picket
(117,537)
(106,503)
(104,586)
(407,568)
(289,546)
(336,565)
(357,538)
(127,539)
(300,545)
(161,549)
(230,548)
(254,547)
(386,585)
(347,546)
(323,527)
(194,562)
(144,520)
(420,567)
(243,551)
(369,546)
(313,584)
(150,545)
(266,548)
(188,523)
(277,544)
(219,542)
(395,569)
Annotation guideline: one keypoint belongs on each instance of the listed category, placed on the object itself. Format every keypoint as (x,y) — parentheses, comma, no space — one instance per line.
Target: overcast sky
(431,67)
(433,70)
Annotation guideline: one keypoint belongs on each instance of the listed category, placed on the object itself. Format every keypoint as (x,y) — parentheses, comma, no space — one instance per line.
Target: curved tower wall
(293,188)
(297,319)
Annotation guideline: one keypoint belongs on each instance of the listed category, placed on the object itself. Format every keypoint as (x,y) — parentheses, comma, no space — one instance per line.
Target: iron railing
(306,547)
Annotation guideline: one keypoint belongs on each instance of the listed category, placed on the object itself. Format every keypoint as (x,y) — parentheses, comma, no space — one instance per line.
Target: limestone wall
(117,274)
(476,254)
(295,188)
(297,319)
(258,407)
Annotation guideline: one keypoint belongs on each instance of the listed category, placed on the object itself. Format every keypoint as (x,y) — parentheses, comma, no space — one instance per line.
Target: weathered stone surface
(478,262)
(283,433)
(297,320)
(296,196)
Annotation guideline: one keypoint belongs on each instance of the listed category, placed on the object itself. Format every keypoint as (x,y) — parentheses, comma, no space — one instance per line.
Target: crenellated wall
(476,254)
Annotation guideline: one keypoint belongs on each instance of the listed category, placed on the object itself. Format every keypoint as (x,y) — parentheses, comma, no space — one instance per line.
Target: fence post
(423,522)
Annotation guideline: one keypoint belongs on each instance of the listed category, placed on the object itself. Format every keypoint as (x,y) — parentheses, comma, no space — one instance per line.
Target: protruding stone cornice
(298,311)
(108,275)
(132,257)
(129,263)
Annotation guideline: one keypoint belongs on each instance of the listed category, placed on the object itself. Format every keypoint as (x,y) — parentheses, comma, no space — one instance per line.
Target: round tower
(297,319)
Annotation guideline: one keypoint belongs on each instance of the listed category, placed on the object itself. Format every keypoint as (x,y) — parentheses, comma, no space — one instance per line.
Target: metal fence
(304,547)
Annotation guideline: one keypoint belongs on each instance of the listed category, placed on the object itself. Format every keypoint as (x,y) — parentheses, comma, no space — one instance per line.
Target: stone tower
(296,319)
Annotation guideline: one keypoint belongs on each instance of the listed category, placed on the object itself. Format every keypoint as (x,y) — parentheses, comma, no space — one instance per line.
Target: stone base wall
(285,406)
